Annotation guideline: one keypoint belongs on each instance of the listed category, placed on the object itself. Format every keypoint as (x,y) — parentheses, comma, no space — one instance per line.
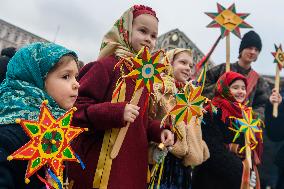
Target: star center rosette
(49,144)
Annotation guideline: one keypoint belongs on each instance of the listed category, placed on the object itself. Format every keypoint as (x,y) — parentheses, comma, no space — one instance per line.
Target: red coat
(95,111)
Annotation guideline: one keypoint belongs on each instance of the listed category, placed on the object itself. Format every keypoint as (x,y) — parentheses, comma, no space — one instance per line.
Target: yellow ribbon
(104,163)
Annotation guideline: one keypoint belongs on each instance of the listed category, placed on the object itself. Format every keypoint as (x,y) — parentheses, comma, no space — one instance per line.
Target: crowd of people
(206,152)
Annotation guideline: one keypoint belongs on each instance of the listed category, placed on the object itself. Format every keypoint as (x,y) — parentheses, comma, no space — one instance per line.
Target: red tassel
(146,104)
(44,181)
(117,90)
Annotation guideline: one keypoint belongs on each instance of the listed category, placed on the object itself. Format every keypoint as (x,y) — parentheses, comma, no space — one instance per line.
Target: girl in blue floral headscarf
(37,72)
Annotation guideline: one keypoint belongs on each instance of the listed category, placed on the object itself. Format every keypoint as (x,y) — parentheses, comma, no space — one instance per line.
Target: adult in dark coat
(275,131)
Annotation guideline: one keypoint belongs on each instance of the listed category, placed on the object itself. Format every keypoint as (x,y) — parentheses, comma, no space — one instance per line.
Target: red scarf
(223,99)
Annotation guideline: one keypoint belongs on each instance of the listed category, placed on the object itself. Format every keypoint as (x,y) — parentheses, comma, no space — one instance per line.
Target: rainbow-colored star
(188,104)
(147,69)
(50,141)
(228,20)
(279,56)
(248,126)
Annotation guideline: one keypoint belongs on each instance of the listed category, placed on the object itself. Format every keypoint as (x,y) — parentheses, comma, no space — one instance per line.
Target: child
(190,150)
(104,115)
(224,168)
(35,73)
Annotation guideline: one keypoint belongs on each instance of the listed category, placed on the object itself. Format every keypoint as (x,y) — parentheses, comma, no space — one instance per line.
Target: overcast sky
(82,23)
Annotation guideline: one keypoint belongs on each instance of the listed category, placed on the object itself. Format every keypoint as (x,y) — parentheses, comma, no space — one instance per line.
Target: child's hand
(167,137)
(130,113)
(159,155)
(275,97)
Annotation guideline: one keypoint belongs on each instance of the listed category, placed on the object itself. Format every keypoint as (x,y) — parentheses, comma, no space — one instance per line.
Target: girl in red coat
(104,113)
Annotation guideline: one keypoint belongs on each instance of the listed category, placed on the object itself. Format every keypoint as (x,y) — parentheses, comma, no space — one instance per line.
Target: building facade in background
(13,36)
(177,39)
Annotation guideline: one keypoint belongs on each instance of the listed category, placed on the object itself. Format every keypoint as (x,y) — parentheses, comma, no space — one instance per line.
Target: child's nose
(75,85)
(148,39)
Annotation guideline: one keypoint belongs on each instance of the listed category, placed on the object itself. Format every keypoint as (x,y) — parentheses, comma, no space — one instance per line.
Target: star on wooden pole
(147,72)
(279,60)
(228,20)
(249,127)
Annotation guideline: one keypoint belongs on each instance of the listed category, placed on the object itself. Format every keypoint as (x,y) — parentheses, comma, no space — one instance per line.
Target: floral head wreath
(142,9)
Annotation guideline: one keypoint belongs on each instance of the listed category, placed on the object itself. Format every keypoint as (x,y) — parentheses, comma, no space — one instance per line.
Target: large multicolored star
(188,104)
(228,20)
(147,69)
(50,141)
(248,126)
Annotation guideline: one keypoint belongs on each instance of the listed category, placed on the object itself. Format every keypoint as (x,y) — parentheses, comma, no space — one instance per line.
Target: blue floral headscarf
(22,92)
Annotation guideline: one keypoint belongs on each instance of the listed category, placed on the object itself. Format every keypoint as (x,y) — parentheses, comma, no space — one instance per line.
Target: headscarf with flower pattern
(23,90)
(118,40)
(223,98)
(170,55)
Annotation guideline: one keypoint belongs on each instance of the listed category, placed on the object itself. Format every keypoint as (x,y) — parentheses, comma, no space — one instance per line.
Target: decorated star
(147,69)
(279,56)
(249,126)
(50,141)
(228,20)
(188,104)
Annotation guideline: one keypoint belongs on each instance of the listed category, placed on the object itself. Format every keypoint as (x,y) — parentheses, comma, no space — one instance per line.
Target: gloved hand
(252,181)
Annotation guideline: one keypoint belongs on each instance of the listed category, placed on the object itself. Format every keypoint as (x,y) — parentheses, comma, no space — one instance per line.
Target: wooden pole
(248,154)
(122,132)
(228,52)
(276,86)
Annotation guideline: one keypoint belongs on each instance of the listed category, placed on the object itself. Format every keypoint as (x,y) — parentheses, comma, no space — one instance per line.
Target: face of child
(144,32)
(249,54)
(182,66)
(238,90)
(62,86)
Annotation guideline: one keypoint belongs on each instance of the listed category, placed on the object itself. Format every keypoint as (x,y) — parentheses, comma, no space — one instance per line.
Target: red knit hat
(142,9)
